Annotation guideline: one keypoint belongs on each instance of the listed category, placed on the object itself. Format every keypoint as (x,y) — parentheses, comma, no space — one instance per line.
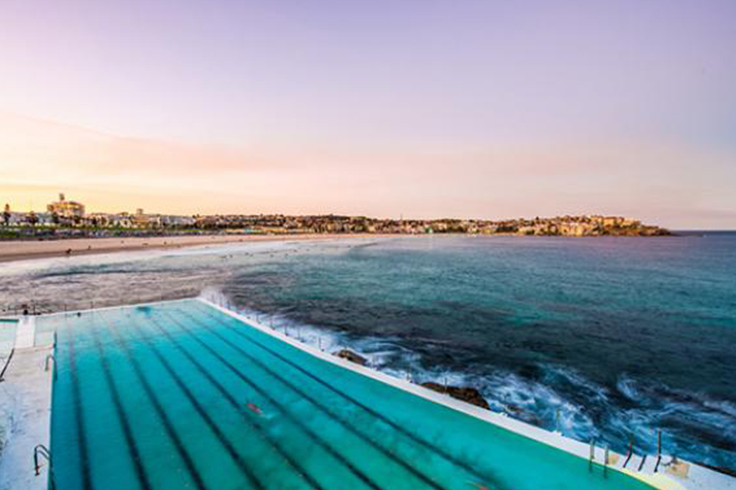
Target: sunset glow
(422,109)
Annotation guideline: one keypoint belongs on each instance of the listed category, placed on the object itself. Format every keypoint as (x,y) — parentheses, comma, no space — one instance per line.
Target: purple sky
(421,108)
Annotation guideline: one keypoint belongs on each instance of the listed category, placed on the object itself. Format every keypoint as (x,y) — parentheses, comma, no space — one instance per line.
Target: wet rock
(521,414)
(464,393)
(352,356)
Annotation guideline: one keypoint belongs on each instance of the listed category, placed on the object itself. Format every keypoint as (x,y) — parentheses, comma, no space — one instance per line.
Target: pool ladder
(591,458)
(42,451)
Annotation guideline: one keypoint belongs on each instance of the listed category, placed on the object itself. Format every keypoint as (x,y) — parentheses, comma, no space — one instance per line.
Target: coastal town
(67,218)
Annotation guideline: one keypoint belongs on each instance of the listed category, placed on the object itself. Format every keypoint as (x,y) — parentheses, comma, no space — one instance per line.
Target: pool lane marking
(78,414)
(488,478)
(168,426)
(224,442)
(392,457)
(127,431)
(234,403)
(317,439)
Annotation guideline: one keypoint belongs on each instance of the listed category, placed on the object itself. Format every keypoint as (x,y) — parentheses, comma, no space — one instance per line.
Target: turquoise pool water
(179,395)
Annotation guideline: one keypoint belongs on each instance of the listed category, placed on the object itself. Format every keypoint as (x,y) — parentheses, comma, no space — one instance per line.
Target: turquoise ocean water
(606,338)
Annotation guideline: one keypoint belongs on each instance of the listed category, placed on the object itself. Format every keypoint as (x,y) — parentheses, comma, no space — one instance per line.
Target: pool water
(180,395)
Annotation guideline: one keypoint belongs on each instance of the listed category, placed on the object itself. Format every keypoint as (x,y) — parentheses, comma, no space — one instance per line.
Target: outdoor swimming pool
(180,395)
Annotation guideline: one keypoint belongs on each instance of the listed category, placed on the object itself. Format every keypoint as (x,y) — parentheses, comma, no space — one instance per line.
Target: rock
(521,414)
(352,356)
(464,393)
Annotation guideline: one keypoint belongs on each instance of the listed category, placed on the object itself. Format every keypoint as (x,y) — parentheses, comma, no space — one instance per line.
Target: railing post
(49,357)
(643,460)
(631,451)
(605,463)
(591,458)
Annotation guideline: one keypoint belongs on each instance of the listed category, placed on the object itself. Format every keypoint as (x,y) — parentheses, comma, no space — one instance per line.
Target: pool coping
(698,477)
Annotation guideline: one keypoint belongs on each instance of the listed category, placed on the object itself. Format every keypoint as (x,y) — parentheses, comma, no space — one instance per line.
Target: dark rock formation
(464,393)
(352,357)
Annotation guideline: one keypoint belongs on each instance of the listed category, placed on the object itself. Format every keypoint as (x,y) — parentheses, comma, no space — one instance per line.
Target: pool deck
(25,403)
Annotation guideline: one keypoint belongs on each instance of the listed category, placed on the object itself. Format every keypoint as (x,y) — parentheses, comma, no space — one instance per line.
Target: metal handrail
(591,458)
(50,357)
(7,363)
(42,450)
(630,453)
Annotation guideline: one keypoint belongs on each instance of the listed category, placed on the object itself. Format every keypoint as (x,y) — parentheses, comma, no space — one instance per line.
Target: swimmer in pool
(479,486)
(254,408)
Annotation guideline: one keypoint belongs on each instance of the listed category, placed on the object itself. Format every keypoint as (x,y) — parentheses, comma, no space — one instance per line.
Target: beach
(37,249)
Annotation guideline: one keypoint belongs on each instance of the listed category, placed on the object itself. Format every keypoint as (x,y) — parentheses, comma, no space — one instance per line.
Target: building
(66,209)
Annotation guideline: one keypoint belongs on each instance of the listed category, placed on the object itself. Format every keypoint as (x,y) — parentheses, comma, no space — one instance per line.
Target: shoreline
(12,251)
(18,250)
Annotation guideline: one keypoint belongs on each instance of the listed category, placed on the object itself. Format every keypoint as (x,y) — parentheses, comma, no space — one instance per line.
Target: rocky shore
(465,393)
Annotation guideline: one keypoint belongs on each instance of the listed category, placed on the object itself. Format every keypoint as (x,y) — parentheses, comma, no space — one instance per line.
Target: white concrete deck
(25,408)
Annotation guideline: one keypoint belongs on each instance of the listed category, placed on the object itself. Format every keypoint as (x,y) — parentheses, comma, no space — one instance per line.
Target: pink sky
(420,109)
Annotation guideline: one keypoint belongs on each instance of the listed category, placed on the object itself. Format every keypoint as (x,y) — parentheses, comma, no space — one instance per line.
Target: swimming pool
(181,395)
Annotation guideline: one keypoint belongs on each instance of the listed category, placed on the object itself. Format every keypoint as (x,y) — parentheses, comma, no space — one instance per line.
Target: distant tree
(6,215)
(31,218)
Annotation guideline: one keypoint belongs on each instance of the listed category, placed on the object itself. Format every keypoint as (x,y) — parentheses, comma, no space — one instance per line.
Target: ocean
(612,339)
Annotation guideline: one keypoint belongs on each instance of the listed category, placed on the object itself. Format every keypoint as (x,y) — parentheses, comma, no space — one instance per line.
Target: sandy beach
(36,249)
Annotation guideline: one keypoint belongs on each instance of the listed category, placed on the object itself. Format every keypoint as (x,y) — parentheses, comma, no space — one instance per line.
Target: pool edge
(699,476)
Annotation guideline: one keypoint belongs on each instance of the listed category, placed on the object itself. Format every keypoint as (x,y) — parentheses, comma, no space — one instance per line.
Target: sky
(413,108)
